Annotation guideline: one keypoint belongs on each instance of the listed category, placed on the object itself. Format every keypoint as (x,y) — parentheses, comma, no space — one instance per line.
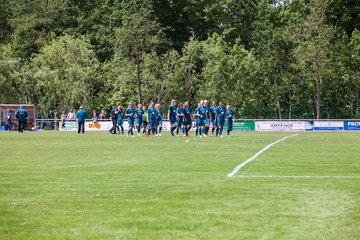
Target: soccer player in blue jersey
(158,119)
(197,119)
(187,118)
(207,120)
(151,112)
(130,114)
(202,119)
(120,119)
(180,119)
(229,119)
(220,118)
(212,117)
(172,116)
(139,112)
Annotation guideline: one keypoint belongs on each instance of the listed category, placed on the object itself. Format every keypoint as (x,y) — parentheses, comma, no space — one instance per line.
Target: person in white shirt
(71,116)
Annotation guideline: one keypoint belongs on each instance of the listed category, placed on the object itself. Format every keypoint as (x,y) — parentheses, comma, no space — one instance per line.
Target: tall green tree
(139,34)
(65,73)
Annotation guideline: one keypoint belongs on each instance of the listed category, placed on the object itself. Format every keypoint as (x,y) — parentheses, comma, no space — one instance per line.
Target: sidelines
(311,177)
(256,155)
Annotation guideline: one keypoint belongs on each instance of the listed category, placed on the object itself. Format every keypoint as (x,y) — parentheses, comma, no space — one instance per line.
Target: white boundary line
(256,155)
(303,177)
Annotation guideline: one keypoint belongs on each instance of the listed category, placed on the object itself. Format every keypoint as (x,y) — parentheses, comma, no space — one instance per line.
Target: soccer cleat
(221,136)
(205,135)
(159,134)
(139,134)
(200,136)
(177,135)
(132,136)
(184,135)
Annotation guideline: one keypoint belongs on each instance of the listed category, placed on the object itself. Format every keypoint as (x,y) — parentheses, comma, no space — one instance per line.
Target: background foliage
(268,59)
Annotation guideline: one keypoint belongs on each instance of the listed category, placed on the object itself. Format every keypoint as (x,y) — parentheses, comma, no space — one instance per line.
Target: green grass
(102,186)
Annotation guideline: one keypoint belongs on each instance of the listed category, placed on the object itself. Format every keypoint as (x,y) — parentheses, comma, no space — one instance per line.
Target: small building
(31,119)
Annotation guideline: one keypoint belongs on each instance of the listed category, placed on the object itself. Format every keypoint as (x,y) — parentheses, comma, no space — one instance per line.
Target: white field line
(310,177)
(256,155)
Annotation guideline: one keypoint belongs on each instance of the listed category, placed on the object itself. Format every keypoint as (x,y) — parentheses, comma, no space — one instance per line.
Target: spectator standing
(71,116)
(81,115)
(51,117)
(9,117)
(63,119)
(102,115)
(94,116)
(113,117)
(21,116)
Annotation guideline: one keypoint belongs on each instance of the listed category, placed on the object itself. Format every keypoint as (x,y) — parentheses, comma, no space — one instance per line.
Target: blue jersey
(220,112)
(196,112)
(139,113)
(212,112)
(158,115)
(152,114)
(202,112)
(187,113)
(180,111)
(207,110)
(120,114)
(172,112)
(130,112)
(229,115)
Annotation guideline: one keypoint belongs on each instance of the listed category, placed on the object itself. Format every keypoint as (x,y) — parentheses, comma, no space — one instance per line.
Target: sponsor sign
(279,126)
(352,125)
(90,126)
(328,125)
(244,126)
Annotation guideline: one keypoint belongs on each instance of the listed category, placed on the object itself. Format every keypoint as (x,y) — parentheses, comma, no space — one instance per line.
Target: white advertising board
(328,125)
(279,126)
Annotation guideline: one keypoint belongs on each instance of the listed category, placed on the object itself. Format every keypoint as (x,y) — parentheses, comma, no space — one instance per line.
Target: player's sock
(217,131)
(183,130)
(228,131)
(138,129)
(196,131)
(220,131)
(188,129)
(177,130)
(160,128)
(149,130)
(212,131)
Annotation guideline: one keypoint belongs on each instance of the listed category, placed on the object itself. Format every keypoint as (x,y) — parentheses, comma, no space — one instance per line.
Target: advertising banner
(352,125)
(328,125)
(279,126)
(244,126)
(90,126)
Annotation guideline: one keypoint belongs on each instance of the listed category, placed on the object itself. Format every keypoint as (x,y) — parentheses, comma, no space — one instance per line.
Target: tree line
(267,58)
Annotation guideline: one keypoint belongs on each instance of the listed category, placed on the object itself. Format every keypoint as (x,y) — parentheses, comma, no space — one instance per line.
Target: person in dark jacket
(21,116)
(113,116)
(81,115)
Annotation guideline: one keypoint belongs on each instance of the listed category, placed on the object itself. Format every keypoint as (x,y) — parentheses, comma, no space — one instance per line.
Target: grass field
(102,186)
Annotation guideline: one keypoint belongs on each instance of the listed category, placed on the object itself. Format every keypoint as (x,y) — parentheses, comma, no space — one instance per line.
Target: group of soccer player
(181,117)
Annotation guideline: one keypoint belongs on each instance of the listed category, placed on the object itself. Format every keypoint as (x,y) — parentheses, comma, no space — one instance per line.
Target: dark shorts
(131,122)
(120,122)
(220,122)
(152,123)
(180,122)
(138,121)
(230,124)
(172,120)
(159,122)
(214,123)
